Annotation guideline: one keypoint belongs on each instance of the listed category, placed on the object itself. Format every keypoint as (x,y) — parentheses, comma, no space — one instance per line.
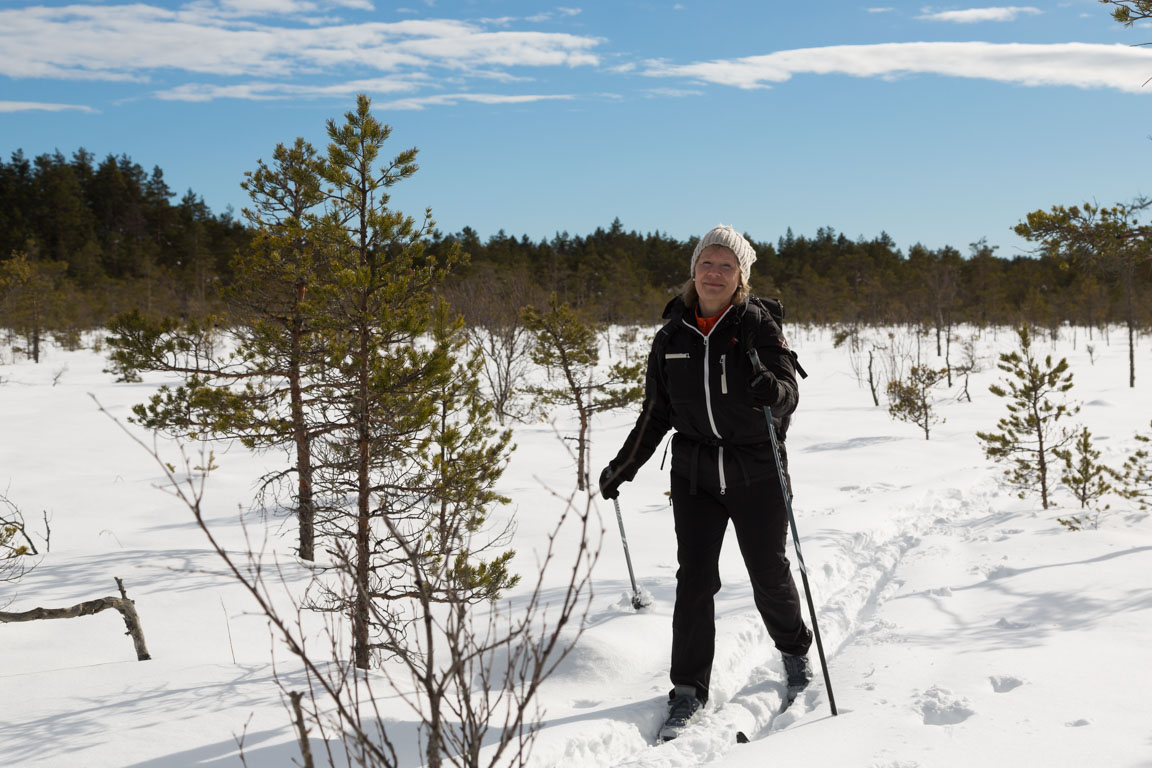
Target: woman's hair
(689,296)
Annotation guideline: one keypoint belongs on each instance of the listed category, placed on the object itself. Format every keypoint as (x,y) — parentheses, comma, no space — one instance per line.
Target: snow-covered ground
(962,625)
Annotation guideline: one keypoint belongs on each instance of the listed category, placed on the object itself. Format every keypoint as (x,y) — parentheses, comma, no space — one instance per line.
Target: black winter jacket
(699,386)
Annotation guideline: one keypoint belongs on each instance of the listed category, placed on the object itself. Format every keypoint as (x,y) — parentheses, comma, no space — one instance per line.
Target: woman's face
(717,276)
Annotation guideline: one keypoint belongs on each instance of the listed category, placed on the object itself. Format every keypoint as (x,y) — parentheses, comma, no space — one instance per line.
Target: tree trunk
(361,612)
(948,352)
(305,508)
(36,330)
(582,453)
(1042,459)
(872,381)
(1131,337)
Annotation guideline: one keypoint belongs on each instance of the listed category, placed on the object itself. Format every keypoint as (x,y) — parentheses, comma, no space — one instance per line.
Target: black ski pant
(760,519)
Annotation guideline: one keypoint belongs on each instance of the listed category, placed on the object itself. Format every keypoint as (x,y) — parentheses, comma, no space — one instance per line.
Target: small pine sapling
(911,399)
(1086,478)
(1136,477)
(1030,434)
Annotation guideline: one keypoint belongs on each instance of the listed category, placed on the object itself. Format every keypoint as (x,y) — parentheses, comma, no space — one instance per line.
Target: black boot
(799,674)
(683,708)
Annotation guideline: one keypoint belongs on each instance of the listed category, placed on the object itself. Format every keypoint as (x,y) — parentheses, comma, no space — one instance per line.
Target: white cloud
(449,99)
(132,42)
(1082,65)
(880,10)
(269,91)
(27,106)
(676,93)
(549,15)
(975,15)
(239,9)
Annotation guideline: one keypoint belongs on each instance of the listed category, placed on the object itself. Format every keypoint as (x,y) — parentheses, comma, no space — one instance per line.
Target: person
(704,383)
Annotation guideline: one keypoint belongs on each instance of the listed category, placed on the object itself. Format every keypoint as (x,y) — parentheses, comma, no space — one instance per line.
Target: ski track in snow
(858,577)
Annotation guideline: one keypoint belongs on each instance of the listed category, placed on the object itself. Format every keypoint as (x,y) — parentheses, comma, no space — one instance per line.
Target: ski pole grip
(758,368)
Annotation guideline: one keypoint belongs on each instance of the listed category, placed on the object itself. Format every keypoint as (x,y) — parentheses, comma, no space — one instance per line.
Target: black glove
(764,386)
(610,481)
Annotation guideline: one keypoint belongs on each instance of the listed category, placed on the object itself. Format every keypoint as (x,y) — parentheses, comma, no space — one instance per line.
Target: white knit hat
(733,241)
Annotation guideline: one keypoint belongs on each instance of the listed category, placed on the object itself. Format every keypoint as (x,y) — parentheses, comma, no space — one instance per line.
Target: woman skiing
(717,361)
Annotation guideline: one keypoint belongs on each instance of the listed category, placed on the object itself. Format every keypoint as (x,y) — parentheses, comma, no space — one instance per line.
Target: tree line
(105,236)
(827,278)
(101,237)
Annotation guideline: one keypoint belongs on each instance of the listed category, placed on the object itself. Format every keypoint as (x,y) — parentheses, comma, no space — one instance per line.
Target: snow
(961,623)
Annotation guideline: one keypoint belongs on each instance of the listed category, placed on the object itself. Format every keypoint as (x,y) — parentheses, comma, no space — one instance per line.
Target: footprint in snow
(1005,683)
(1078,723)
(939,706)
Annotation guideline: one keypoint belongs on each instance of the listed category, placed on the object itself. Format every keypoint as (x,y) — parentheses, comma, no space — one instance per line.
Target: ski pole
(638,600)
(756,365)
(800,557)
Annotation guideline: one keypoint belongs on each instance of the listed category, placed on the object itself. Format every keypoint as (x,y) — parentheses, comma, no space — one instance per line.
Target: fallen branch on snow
(122,604)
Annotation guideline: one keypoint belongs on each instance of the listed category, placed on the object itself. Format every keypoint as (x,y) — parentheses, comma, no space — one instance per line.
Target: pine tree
(1086,478)
(273,280)
(569,347)
(30,298)
(258,393)
(1030,434)
(431,563)
(911,399)
(464,458)
(379,384)
(1106,240)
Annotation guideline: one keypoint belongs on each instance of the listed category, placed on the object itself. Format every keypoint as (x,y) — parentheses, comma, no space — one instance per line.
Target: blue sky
(939,124)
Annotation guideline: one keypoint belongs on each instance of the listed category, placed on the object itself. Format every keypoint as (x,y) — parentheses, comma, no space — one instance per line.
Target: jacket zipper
(724,374)
(708,395)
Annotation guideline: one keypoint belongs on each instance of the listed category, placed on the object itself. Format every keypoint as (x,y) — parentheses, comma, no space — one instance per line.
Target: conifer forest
(103,237)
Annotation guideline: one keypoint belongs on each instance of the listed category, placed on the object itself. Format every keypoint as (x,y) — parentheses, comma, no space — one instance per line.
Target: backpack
(775,310)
